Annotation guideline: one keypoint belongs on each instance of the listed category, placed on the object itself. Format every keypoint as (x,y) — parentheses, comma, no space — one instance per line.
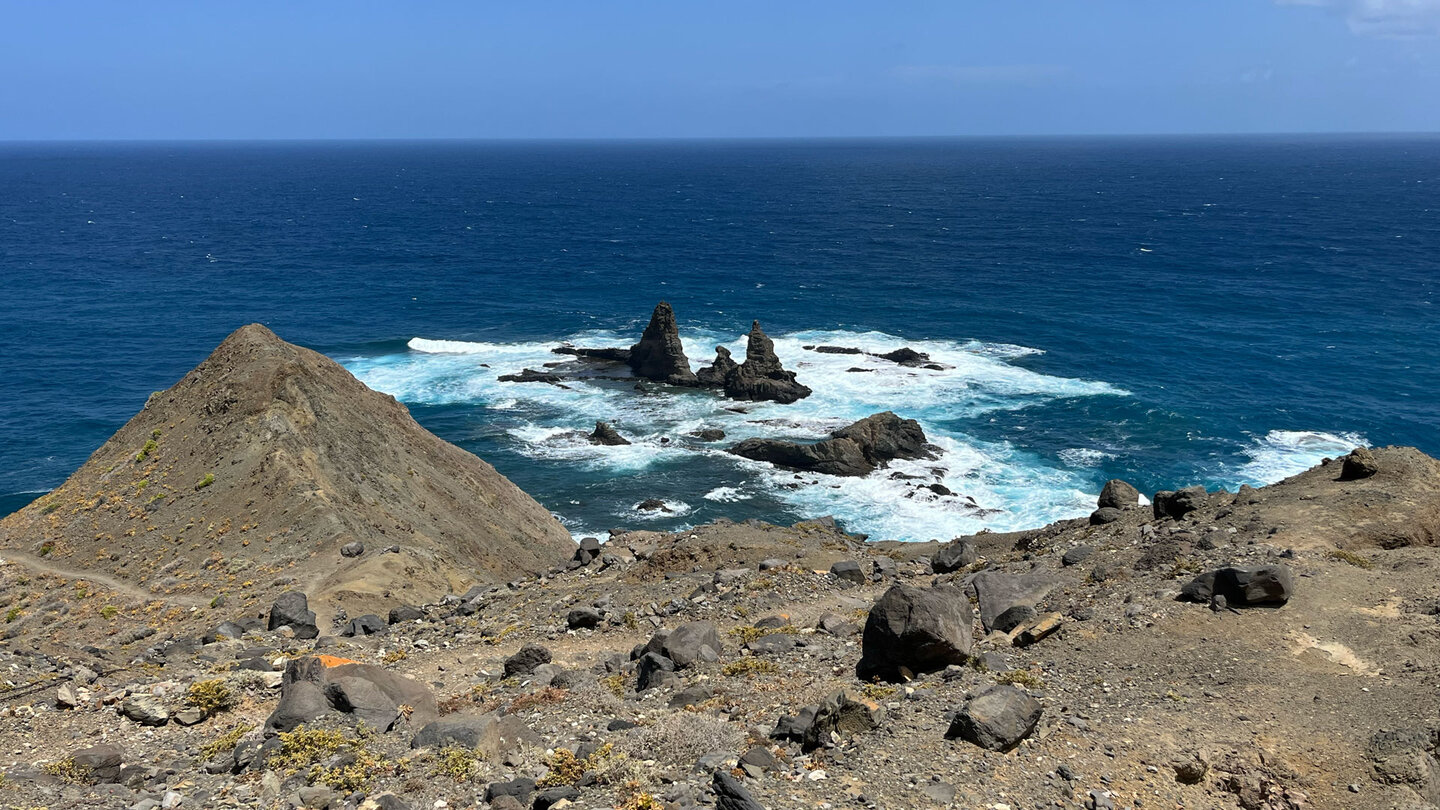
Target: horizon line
(729,138)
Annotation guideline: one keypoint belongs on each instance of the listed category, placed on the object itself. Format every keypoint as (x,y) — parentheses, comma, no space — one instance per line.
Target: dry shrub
(680,738)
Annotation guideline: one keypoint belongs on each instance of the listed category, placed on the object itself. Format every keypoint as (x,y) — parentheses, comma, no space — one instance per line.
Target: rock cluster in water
(660,356)
(858,449)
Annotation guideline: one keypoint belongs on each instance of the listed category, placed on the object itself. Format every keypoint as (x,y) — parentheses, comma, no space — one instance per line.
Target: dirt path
(45,566)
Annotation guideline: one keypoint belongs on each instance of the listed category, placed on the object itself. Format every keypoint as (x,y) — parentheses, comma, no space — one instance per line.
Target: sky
(99,69)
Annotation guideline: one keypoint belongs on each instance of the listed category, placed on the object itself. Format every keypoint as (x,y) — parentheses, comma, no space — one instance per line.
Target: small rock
(354,549)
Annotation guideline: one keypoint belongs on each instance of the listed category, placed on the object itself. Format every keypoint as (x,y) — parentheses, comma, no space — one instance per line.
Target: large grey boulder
(1360,463)
(996,719)
(490,735)
(363,699)
(310,690)
(999,593)
(958,553)
(147,710)
(1242,587)
(292,609)
(692,643)
(526,660)
(842,714)
(1118,494)
(731,795)
(912,630)
(100,762)
(654,670)
(1179,503)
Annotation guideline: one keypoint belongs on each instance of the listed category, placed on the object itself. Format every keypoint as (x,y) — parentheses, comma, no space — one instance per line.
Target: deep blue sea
(1166,310)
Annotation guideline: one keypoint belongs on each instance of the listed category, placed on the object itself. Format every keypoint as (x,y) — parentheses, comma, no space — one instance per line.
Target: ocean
(1170,311)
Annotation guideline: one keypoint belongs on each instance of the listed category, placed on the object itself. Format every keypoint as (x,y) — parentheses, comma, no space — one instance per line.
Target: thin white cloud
(1391,19)
(980,74)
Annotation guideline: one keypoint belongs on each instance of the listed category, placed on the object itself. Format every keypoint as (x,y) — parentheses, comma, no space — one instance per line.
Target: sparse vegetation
(224,743)
(305,746)
(1351,557)
(206,481)
(47,548)
(13,613)
(568,769)
(1021,677)
(146,450)
(212,696)
(548,696)
(749,667)
(68,770)
(455,763)
(394,657)
(615,683)
(877,691)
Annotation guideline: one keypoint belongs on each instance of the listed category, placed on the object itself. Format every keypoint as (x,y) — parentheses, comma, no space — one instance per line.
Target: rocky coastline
(272,588)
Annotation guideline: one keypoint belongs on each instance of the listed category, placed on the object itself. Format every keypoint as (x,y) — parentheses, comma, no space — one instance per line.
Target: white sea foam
(998,486)
(673,509)
(1084,456)
(727,495)
(1280,454)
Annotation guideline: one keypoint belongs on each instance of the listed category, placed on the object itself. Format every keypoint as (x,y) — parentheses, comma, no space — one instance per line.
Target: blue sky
(672,68)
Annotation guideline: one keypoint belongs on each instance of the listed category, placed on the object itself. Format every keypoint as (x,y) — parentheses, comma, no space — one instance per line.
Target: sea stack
(272,457)
(659,355)
(760,377)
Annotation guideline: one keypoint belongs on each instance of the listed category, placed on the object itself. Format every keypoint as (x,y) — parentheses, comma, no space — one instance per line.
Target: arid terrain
(330,607)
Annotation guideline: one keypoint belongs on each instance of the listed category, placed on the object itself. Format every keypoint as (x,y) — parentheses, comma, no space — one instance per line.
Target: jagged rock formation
(660,355)
(270,457)
(606,434)
(760,377)
(855,450)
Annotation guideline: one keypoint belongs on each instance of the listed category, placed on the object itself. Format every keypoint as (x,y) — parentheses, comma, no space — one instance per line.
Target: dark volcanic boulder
(607,435)
(405,613)
(884,436)
(855,450)
(1104,515)
(367,625)
(715,374)
(1360,463)
(530,375)
(654,670)
(906,356)
(100,762)
(953,556)
(1179,503)
(659,355)
(1118,495)
(293,609)
(998,592)
(309,690)
(1241,587)
(996,719)
(607,355)
(842,714)
(488,735)
(830,456)
(760,377)
(709,434)
(525,661)
(731,795)
(910,630)
(583,618)
(692,643)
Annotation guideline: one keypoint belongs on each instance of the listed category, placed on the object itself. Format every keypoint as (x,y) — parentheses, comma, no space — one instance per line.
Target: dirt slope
(250,473)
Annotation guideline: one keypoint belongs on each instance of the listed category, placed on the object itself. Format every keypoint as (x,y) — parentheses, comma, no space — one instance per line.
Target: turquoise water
(1170,311)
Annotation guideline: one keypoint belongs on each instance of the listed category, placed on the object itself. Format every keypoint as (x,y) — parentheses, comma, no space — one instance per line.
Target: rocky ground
(1053,668)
